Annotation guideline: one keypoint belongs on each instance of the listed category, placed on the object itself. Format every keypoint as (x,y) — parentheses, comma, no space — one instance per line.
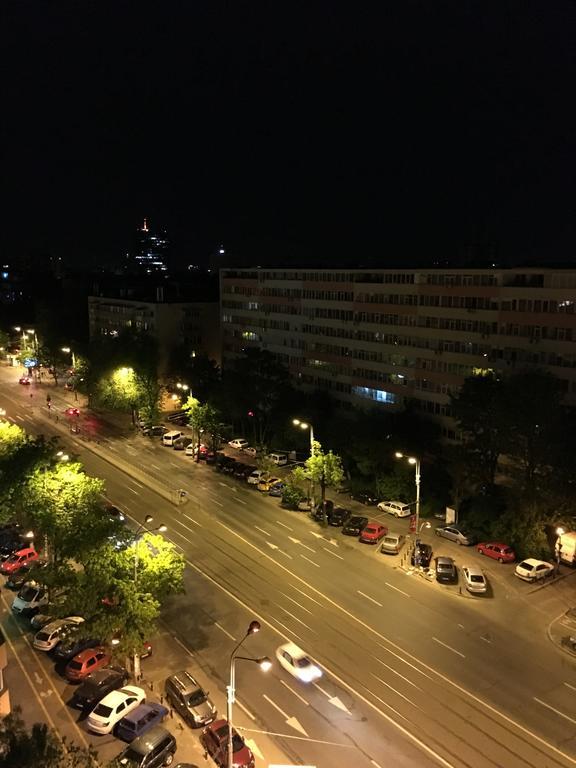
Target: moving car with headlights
(113,707)
(295,661)
(98,685)
(30,599)
(26,380)
(452,533)
(498,551)
(189,699)
(533,570)
(355,525)
(396,508)
(446,572)
(373,532)
(53,633)
(474,579)
(214,739)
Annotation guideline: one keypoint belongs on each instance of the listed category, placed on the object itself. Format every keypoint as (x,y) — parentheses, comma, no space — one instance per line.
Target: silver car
(455,534)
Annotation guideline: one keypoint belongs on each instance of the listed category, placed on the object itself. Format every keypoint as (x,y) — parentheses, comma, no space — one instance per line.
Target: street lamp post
(416,462)
(70,352)
(307,425)
(264,664)
(559,532)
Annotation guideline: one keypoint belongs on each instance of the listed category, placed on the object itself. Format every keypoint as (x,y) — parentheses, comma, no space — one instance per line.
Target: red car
(85,662)
(24,380)
(72,412)
(214,739)
(18,559)
(501,552)
(373,533)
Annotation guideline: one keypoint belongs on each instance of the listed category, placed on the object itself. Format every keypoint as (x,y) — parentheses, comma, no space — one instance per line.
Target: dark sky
(326,132)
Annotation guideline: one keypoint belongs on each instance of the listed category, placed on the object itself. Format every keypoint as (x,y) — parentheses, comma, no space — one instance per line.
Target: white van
(31,597)
(170,437)
(278,458)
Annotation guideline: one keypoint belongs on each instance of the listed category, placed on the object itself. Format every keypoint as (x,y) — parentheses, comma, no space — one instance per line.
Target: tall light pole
(559,532)
(264,663)
(70,352)
(416,462)
(308,425)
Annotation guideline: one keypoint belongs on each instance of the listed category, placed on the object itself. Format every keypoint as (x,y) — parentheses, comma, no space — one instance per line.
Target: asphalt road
(415,673)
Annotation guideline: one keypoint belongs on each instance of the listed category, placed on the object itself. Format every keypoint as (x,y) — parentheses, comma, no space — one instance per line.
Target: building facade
(392,336)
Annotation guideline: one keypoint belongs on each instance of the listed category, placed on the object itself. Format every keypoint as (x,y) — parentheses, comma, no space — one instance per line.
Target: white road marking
(220,627)
(285,554)
(18,417)
(406,680)
(310,561)
(181,644)
(302,699)
(291,721)
(296,541)
(369,598)
(155,466)
(272,546)
(334,700)
(133,491)
(307,547)
(250,715)
(297,619)
(173,464)
(284,525)
(375,764)
(561,714)
(396,588)
(192,520)
(290,631)
(572,687)
(448,647)
(332,553)
(316,535)
(137,483)
(486,639)
(219,503)
(296,603)
(262,530)
(395,691)
(240,501)
(305,595)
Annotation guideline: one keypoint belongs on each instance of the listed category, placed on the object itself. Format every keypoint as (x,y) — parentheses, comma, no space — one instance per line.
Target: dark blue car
(140,720)
(277,489)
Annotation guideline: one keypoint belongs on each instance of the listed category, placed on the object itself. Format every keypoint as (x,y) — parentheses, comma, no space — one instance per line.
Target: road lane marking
(290,631)
(192,520)
(307,596)
(449,647)
(302,699)
(332,553)
(396,588)
(307,547)
(250,715)
(137,483)
(291,721)
(18,417)
(561,714)
(240,501)
(369,598)
(572,687)
(284,525)
(296,618)
(375,763)
(156,466)
(406,679)
(262,530)
(285,554)
(297,603)
(133,491)
(395,691)
(215,501)
(310,561)
(220,627)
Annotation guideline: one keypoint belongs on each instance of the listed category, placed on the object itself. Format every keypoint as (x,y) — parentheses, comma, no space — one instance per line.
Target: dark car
(366,498)
(98,685)
(422,555)
(446,571)
(339,516)
(141,720)
(70,647)
(154,749)
(277,489)
(355,525)
(230,467)
(241,471)
(156,430)
(29,572)
(318,513)
(214,739)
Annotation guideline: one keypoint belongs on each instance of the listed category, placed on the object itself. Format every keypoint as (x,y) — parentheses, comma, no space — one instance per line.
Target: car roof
(293,650)
(357,518)
(445,560)
(118,695)
(473,570)
(533,561)
(88,652)
(495,544)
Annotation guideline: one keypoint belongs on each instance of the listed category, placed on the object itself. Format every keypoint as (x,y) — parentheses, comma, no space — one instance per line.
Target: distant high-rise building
(152,250)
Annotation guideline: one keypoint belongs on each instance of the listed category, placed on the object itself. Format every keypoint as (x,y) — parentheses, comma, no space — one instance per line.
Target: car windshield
(131,758)
(43,636)
(102,710)
(198,697)
(88,689)
(74,665)
(476,577)
(28,593)
(302,662)
(370,529)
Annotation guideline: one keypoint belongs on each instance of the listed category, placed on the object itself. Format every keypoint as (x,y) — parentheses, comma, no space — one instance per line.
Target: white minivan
(170,437)
(278,458)
(396,508)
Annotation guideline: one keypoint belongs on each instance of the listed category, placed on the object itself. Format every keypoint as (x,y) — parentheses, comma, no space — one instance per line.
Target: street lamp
(70,352)
(264,663)
(307,425)
(559,533)
(416,462)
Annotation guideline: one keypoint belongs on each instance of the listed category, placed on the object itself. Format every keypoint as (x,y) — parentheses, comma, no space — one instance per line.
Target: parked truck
(566,548)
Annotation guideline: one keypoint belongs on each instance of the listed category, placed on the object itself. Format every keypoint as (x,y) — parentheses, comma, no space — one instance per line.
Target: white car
(250,450)
(190,449)
(396,508)
(533,570)
(30,599)
(113,707)
(475,579)
(295,661)
(255,477)
(50,635)
(238,443)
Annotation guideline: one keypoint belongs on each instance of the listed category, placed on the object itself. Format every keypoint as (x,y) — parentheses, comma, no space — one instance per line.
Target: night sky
(305,132)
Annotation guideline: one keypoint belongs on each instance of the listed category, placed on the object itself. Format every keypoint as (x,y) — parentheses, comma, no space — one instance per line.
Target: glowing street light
(416,463)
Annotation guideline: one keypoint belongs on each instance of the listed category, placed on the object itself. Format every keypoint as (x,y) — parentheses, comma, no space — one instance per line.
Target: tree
(324,469)
(204,419)
(20,456)
(39,747)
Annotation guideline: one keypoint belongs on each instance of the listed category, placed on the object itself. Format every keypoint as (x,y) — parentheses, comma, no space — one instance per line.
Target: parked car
(85,662)
(99,684)
(155,430)
(498,551)
(392,543)
(243,471)
(255,476)
(189,699)
(339,516)
(49,636)
(452,533)
(19,559)
(277,489)
(28,572)
(40,620)
(266,483)
(140,720)
(323,512)
(70,646)
(421,555)
(280,459)
(26,380)
(113,707)
(250,450)
(214,739)
(365,497)
(295,661)
(155,748)
(181,443)
(355,525)
(474,579)
(30,598)
(446,570)
(230,467)
(238,443)
(533,570)
(305,505)
(373,532)
(396,508)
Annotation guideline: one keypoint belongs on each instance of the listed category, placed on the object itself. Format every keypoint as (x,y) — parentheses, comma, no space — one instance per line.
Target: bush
(292,496)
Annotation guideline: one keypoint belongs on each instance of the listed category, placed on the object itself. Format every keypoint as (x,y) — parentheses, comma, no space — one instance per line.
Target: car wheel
(459,543)
(437,533)
(169,759)
(396,515)
(500,560)
(482,553)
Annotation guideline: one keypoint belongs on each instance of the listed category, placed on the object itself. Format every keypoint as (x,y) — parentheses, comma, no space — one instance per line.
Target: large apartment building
(391,336)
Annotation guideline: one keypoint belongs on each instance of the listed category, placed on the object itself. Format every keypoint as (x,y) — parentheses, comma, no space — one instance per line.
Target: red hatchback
(214,739)
(501,552)
(18,559)
(85,662)
(373,533)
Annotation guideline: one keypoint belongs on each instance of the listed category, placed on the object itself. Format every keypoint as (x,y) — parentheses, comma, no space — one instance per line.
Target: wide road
(415,674)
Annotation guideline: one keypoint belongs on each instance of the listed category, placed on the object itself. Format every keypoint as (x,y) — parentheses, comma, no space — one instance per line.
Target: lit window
(379,395)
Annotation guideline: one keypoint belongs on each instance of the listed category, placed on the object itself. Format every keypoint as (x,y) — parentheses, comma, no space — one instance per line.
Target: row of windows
(536,332)
(400,299)
(436,278)
(564,306)
(385,376)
